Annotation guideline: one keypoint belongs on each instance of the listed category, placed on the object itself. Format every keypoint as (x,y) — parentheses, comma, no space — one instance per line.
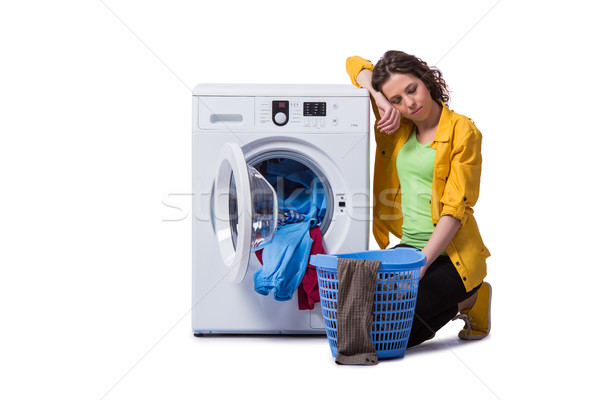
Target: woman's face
(409,95)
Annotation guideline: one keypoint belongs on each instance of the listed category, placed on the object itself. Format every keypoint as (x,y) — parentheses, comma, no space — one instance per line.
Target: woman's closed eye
(398,99)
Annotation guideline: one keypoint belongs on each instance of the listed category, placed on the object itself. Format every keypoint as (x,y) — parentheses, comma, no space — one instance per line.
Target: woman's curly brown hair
(399,62)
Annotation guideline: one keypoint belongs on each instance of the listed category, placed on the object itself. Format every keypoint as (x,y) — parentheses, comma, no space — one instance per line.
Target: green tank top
(414,164)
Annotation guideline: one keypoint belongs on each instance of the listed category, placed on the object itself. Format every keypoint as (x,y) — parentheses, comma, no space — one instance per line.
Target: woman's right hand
(390,117)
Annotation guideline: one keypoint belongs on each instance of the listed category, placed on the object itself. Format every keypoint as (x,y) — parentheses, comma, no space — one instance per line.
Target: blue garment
(284,261)
(285,258)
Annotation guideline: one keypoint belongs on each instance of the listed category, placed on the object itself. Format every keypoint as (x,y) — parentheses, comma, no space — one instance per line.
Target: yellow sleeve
(462,186)
(354,65)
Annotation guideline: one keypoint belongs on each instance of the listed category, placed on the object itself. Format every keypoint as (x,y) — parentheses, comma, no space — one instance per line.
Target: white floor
(106,341)
(179,365)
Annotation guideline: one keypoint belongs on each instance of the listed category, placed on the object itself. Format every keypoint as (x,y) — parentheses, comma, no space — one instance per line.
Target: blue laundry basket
(395,296)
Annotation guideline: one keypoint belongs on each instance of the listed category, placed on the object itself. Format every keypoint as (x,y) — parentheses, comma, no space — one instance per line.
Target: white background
(95,116)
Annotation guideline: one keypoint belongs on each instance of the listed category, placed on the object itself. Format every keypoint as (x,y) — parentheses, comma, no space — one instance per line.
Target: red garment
(259,255)
(308,291)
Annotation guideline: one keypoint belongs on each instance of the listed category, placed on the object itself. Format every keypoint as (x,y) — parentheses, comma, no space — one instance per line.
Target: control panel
(281,114)
(310,114)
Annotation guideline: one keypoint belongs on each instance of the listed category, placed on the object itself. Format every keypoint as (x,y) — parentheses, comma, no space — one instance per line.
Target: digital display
(315,109)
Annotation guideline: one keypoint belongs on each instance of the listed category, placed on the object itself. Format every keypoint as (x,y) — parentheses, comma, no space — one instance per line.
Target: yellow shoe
(478,321)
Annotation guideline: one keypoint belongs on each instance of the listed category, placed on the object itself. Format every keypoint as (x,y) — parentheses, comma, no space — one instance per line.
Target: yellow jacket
(455,189)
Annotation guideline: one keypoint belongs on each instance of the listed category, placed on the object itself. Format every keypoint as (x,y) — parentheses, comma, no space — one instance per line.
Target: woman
(427,171)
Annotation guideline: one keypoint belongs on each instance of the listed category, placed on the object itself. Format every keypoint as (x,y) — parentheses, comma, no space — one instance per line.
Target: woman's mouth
(417,111)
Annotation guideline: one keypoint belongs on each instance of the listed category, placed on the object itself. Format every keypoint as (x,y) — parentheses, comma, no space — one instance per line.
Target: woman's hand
(441,237)
(390,117)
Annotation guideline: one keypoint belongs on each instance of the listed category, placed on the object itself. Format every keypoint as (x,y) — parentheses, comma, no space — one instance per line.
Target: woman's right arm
(390,117)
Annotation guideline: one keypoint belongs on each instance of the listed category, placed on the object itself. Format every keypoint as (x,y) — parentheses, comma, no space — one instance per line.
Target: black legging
(440,291)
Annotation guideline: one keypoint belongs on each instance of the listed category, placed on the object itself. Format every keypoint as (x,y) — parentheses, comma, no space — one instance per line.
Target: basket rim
(412,259)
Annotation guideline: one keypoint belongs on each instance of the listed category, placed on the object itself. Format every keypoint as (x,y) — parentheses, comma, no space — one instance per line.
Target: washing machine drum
(244,210)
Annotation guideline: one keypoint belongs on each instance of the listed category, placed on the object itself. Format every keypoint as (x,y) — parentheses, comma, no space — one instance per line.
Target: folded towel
(357,281)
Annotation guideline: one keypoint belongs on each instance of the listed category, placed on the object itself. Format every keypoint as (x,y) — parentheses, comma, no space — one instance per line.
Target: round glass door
(245,210)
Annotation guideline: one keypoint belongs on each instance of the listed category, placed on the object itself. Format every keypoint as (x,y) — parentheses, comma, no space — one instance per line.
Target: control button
(280,118)
(334,121)
(322,121)
(306,121)
(314,122)
(335,106)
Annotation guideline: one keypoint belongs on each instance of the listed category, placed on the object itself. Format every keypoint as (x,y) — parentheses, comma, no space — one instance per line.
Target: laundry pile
(302,206)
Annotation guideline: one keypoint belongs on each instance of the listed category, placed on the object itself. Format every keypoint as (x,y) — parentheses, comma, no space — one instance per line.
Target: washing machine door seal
(244,208)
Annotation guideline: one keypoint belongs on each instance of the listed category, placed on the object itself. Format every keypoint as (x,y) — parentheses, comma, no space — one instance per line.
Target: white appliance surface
(326,127)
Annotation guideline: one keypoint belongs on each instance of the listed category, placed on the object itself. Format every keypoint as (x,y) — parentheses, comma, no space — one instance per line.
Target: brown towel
(357,280)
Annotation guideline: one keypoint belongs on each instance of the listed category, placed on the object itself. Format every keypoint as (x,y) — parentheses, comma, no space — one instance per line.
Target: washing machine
(237,129)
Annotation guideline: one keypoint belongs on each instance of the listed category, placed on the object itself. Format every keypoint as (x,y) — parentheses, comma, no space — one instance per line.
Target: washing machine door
(244,210)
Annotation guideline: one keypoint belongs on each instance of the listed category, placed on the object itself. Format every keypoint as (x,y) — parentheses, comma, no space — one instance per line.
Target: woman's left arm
(461,191)
(441,237)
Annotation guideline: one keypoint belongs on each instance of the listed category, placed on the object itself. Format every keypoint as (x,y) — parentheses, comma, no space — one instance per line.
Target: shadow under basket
(394,302)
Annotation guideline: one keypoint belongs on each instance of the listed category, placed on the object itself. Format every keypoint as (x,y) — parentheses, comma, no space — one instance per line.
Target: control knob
(280,118)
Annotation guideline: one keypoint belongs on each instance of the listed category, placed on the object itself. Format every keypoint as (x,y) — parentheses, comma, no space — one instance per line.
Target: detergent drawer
(226,113)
